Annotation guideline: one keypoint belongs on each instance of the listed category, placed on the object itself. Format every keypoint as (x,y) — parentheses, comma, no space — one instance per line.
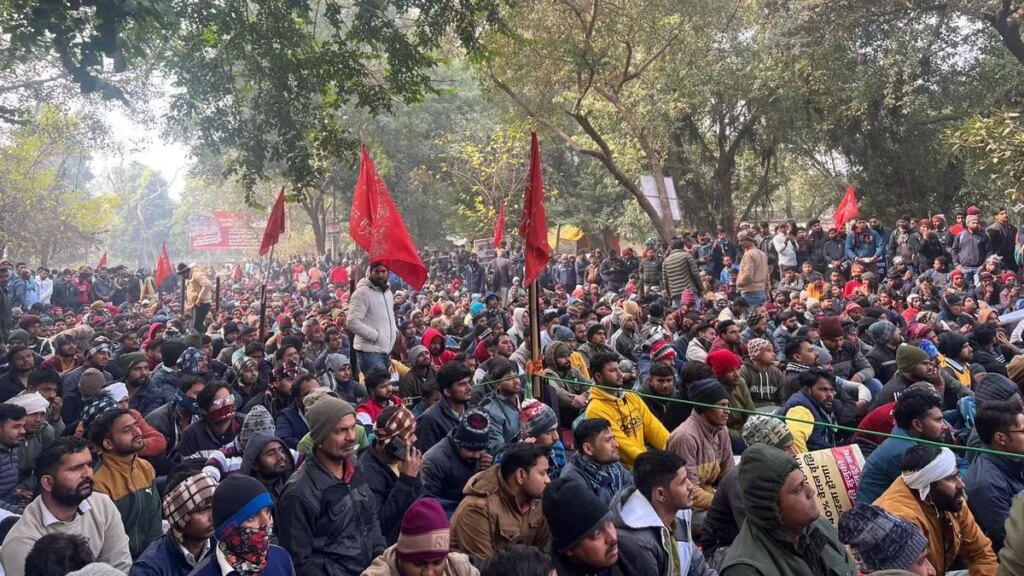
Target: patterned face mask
(246,548)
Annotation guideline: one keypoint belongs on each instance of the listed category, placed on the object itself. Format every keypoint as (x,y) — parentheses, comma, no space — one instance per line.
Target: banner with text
(833,475)
(219,230)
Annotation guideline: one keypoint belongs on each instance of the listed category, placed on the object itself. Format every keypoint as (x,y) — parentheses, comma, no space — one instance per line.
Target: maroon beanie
(424,535)
(830,328)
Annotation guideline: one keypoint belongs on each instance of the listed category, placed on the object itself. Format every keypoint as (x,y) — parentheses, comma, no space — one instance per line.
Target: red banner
(220,230)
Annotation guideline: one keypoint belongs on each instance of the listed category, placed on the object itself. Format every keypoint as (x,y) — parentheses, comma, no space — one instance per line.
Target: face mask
(246,549)
(188,404)
(222,414)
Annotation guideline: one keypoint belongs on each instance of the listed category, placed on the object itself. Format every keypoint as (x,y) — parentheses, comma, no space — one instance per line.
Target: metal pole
(261,333)
(216,298)
(534,337)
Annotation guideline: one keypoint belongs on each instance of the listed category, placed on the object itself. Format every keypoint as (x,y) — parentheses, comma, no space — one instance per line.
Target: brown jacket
(386,565)
(754,273)
(489,518)
(964,539)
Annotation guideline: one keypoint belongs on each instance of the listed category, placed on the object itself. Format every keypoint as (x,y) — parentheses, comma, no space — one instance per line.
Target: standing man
(754,278)
(1002,237)
(198,294)
(679,271)
(970,249)
(6,317)
(327,516)
(371,317)
(476,276)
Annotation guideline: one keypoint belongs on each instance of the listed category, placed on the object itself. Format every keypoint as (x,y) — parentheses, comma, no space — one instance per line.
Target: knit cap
(170,351)
(237,499)
(256,421)
(722,362)
(662,351)
(415,351)
(94,407)
(563,334)
(324,415)
(424,535)
(91,382)
(756,347)
(536,418)
(918,330)
(572,512)
(880,540)
(20,336)
(907,357)
(707,391)
(881,332)
(32,402)
(96,569)
(632,308)
(126,361)
(763,429)
(472,430)
(994,388)
(830,328)
(951,344)
(193,340)
(334,362)
(762,472)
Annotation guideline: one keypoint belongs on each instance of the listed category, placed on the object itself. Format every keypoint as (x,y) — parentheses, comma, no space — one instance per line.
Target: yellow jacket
(634,426)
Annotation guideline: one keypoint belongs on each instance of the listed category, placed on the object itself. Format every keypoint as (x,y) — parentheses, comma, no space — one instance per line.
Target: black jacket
(394,493)
(633,561)
(329,525)
(883,361)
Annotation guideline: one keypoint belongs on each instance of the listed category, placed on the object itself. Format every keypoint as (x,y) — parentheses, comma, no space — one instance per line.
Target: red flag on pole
(847,209)
(103,260)
(377,227)
(533,226)
(163,266)
(499,227)
(275,224)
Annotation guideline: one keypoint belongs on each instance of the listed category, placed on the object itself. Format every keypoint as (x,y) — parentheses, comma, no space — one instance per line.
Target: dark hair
(724,325)
(187,381)
(793,346)
(376,376)
(517,560)
(101,426)
(11,412)
(498,368)
(984,334)
(49,458)
(919,456)
(913,405)
(39,376)
(521,456)
(254,347)
(586,430)
(58,554)
(16,349)
(600,360)
(154,343)
(298,382)
(655,468)
(452,372)
(661,369)
(810,378)
(280,352)
(205,398)
(992,417)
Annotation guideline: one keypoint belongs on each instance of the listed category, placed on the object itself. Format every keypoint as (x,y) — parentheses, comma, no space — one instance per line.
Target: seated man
(423,545)
(450,463)
(812,403)
(885,542)
(392,467)
(930,494)
(187,508)
(596,460)
(992,480)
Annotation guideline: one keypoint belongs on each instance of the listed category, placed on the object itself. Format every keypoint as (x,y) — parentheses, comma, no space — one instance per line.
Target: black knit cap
(237,499)
(572,512)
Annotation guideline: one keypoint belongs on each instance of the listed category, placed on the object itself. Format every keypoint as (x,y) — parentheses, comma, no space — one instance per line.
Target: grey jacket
(371,317)
(504,421)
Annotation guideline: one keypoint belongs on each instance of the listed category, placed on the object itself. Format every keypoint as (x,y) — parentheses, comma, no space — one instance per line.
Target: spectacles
(1013,431)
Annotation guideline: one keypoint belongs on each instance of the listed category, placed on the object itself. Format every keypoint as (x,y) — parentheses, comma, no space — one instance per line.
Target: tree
(142,217)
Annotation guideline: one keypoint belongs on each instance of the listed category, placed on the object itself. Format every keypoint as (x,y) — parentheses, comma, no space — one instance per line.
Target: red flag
(377,227)
(275,224)
(847,209)
(499,227)
(533,226)
(103,260)
(163,267)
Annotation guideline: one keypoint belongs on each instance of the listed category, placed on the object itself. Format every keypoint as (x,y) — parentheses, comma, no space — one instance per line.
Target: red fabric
(377,227)
(533,226)
(499,227)
(275,224)
(339,275)
(103,260)
(847,209)
(878,420)
(163,266)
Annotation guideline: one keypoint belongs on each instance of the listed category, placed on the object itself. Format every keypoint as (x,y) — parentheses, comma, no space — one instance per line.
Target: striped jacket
(678,272)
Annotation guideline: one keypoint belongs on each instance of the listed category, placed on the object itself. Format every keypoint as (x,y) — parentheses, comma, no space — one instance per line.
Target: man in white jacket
(371,317)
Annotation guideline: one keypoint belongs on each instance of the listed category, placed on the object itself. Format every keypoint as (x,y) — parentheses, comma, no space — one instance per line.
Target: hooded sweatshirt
(633,424)
(634,515)
(250,456)
(762,547)
(445,356)
(763,386)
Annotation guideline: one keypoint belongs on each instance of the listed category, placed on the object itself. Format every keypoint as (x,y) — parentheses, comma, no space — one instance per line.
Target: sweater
(755,274)
(707,451)
(633,424)
(763,387)
(98,521)
(130,483)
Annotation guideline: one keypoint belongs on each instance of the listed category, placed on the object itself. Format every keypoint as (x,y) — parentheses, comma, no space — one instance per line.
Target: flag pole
(261,334)
(534,338)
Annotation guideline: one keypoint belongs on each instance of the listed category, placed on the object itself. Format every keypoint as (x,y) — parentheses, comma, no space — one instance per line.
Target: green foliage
(994,147)
(142,217)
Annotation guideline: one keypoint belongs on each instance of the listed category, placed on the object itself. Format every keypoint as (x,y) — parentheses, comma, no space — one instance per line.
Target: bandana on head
(94,407)
(191,494)
(400,425)
(244,363)
(188,362)
(101,347)
(942,467)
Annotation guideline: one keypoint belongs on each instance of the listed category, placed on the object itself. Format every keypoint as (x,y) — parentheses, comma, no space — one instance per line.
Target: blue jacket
(822,436)
(992,482)
(279,563)
(883,466)
(290,426)
(147,399)
(859,247)
(163,557)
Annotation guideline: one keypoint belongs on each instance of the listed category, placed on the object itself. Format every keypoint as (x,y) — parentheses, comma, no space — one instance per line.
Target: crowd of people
(349,425)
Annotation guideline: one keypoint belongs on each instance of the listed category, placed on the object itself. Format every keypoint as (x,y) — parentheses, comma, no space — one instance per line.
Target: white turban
(32,402)
(118,391)
(941,467)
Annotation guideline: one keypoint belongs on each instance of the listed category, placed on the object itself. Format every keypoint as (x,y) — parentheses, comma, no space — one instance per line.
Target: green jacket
(130,483)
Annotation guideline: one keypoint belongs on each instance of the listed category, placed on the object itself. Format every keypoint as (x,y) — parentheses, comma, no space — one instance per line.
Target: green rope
(785,418)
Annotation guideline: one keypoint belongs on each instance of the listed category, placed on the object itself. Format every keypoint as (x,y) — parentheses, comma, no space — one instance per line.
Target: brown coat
(488,518)
(754,275)
(387,565)
(964,539)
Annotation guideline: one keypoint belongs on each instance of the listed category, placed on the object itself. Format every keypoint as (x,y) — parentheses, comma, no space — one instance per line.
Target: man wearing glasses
(993,480)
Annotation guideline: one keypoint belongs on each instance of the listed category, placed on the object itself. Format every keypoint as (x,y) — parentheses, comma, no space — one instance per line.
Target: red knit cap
(723,362)
(973,211)
(424,534)
(661,351)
